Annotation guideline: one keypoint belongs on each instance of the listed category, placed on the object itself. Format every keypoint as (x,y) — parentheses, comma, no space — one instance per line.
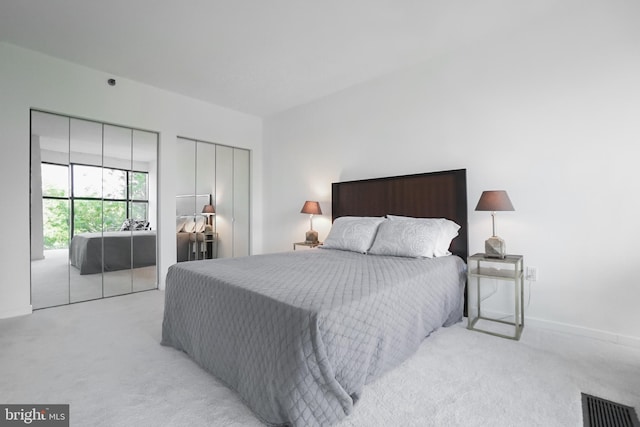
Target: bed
(85,251)
(298,335)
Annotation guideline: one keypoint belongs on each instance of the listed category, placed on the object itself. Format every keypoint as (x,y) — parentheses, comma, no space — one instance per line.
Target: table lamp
(311,208)
(496,200)
(208,211)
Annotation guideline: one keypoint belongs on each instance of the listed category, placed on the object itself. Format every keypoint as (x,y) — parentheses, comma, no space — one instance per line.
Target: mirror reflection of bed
(196,234)
(215,175)
(90,182)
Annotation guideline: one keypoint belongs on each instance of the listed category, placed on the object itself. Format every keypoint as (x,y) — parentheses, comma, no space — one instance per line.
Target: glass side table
(203,245)
(307,244)
(509,270)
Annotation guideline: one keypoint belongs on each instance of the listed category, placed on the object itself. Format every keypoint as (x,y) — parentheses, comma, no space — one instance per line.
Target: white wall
(550,113)
(31,80)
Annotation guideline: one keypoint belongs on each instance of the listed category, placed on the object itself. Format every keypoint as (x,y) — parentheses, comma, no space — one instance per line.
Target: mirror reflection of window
(94,191)
(55,205)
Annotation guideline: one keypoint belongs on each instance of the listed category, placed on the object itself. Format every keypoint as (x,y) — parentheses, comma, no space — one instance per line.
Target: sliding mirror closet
(212,201)
(93,210)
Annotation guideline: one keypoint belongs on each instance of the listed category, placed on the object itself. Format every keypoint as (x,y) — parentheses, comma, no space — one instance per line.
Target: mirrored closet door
(93,210)
(212,201)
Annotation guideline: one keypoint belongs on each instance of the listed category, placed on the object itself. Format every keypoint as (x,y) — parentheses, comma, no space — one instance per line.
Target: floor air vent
(598,412)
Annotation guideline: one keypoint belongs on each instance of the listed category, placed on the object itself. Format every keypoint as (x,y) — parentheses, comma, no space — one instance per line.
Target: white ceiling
(257,56)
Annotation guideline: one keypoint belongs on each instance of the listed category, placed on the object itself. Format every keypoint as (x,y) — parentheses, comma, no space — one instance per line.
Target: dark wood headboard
(428,195)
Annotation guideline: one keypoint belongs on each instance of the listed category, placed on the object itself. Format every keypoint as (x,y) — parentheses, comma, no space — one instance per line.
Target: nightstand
(211,245)
(307,244)
(204,245)
(508,270)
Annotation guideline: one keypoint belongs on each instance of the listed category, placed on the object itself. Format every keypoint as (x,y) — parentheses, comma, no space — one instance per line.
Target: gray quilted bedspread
(297,335)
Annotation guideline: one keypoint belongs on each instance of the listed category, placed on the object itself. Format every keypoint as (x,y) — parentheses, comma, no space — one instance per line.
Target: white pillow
(352,233)
(448,231)
(180,222)
(194,223)
(407,238)
(189,224)
(201,223)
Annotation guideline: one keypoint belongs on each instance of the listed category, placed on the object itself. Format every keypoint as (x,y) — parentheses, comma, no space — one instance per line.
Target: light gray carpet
(55,282)
(104,359)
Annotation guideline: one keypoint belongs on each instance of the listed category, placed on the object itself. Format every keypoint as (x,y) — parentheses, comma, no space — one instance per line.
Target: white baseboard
(573,330)
(5,314)
(583,332)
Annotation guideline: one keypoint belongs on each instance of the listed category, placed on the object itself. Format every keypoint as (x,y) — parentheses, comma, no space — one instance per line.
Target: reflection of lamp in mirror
(208,211)
(311,208)
(494,246)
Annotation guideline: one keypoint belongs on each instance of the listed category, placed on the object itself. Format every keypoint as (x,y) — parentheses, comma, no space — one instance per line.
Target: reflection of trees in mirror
(90,216)
(139,187)
(139,211)
(87,215)
(56,221)
(90,212)
(96,182)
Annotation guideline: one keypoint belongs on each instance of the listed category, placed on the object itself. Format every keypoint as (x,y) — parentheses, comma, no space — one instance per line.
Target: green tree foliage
(56,221)
(138,190)
(90,215)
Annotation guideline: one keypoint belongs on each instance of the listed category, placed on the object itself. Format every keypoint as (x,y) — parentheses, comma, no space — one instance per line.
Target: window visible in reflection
(125,196)
(138,187)
(55,204)
(55,223)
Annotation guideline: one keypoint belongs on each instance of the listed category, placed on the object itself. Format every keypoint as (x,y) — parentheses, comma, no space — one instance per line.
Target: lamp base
(311,237)
(494,247)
